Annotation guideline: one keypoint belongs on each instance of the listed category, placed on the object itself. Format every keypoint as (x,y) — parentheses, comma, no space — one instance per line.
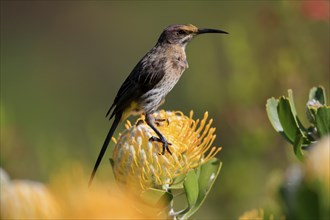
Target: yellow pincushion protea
(137,161)
(68,197)
(25,199)
(255,214)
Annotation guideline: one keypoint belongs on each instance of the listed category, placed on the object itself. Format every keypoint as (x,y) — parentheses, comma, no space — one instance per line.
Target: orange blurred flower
(316,10)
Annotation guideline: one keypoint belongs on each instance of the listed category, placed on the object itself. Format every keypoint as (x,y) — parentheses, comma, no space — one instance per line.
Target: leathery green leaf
(271,108)
(318,94)
(191,188)
(294,112)
(287,120)
(297,147)
(323,120)
(206,178)
(178,182)
(155,197)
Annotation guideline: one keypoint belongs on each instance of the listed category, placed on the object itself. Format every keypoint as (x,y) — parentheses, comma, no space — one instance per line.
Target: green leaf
(291,102)
(271,108)
(287,119)
(191,188)
(156,197)
(318,94)
(206,178)
(178,182)
(323,120)
(316,100)
(297,147)
(311,113)
(282,115)
(208,175)
(294,113)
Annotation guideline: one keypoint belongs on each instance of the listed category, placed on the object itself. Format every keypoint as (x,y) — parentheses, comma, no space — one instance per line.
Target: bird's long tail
(105,146)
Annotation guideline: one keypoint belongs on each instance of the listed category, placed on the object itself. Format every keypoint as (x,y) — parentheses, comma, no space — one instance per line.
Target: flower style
(137,161)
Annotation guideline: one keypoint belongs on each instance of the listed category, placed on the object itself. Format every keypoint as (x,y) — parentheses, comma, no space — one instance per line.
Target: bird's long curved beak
(208,30)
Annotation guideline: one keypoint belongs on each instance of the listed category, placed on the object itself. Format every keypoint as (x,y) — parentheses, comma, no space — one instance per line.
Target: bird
(153,77)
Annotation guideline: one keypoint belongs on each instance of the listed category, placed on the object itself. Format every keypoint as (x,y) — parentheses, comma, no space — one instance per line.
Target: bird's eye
(181,32)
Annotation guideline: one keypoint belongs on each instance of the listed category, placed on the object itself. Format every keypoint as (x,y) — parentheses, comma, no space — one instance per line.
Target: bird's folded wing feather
(142,79)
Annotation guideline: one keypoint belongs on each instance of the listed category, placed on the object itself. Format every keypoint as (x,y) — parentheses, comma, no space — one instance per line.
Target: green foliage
(305,190)
(198,184)
(156,197)
(195,186)
(283,116)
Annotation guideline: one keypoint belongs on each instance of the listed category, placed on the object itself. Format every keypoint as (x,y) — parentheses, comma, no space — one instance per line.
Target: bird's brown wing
(143,78)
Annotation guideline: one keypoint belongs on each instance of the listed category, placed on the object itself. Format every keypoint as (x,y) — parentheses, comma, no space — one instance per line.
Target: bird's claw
(164,142)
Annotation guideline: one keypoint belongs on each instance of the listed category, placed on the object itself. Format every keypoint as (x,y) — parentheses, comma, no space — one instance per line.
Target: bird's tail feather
(113,105)
(105,146)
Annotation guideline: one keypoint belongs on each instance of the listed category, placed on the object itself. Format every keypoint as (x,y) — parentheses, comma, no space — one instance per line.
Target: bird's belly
(151,100)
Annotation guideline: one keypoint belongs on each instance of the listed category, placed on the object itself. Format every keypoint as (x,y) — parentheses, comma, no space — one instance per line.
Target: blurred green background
(63,62)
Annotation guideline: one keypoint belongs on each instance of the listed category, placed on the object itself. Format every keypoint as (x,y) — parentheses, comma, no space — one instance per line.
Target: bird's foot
(160,120)
(164,142)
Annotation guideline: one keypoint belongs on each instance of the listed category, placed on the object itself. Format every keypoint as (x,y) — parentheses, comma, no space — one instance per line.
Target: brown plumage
(154,76)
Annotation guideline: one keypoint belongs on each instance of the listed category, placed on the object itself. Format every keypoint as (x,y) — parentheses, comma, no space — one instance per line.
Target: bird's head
(182,34)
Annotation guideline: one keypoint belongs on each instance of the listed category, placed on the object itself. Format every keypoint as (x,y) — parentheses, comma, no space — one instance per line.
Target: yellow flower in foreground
(255,214)
(100,201)
(24,199)
(317,163)
(68,197)
(137,161)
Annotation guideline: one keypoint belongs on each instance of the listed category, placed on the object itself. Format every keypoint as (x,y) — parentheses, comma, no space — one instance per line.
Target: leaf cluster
(194,186)
(283,116)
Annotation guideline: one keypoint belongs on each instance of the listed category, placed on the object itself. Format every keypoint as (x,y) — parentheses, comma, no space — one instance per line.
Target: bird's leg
(150,120)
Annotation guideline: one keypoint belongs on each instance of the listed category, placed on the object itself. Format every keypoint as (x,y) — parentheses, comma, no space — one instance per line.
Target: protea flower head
(137,161)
